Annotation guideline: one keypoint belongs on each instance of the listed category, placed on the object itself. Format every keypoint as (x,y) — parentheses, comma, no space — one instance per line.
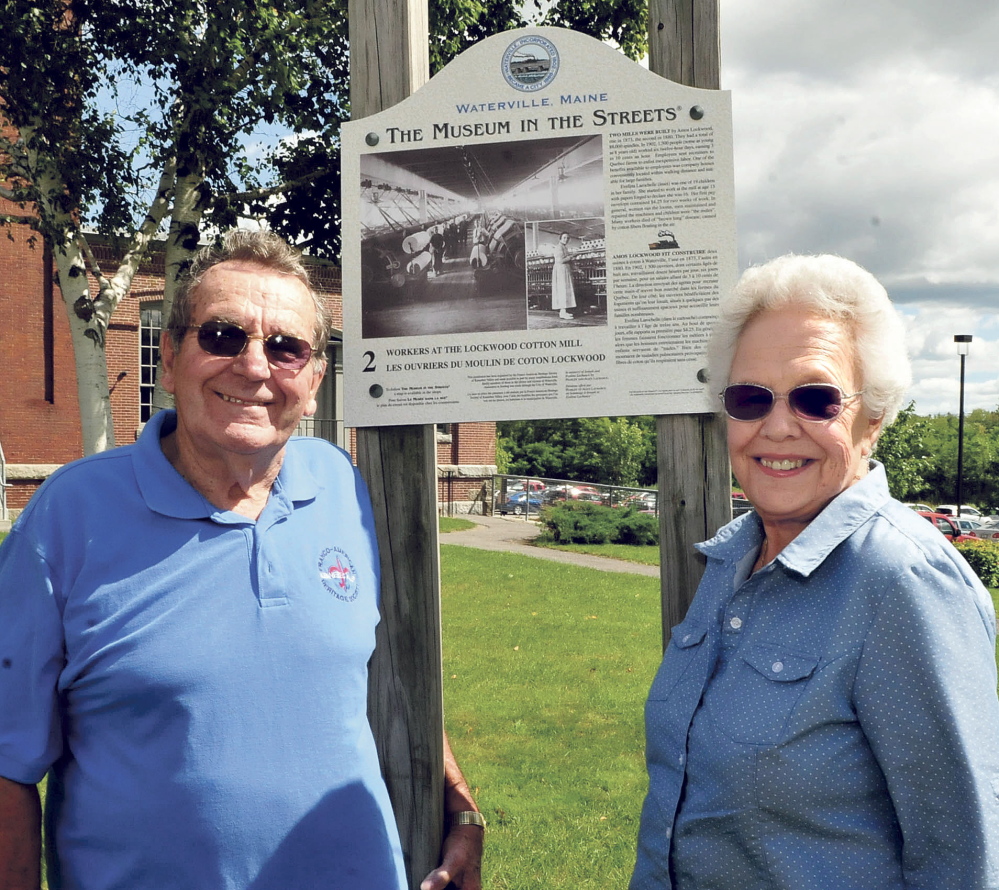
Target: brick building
(39,418)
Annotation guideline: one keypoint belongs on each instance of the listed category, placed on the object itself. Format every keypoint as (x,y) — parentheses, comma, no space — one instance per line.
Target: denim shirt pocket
(761,689)
(684,645)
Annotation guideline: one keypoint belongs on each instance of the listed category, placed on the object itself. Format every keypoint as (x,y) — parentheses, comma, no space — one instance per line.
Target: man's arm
(461,859)
(20,836)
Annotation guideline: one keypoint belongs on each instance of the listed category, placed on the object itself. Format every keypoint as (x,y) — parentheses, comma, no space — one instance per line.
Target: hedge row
(581,522)
(983,557)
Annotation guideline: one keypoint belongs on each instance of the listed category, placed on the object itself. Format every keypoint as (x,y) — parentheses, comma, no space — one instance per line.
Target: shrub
(983,557)
(581,522)
(637,528)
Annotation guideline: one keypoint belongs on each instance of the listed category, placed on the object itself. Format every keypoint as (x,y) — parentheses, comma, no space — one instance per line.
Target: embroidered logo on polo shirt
(338,574)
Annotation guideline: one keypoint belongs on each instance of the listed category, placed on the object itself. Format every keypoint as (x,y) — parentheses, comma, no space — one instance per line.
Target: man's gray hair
(264,249)
(830,287)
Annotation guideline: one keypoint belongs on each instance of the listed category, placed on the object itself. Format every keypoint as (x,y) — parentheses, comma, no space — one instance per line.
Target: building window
(150,326)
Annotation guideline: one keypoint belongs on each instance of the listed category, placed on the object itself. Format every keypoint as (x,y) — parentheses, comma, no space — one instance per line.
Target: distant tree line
(919,453)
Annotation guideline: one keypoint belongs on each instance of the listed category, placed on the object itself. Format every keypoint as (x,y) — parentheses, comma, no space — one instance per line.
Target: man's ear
(312,406)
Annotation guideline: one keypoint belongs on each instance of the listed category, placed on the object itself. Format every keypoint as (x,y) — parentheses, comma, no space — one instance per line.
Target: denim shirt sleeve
(925,699)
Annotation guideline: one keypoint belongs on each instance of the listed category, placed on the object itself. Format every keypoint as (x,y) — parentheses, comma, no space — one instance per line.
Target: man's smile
(236,401)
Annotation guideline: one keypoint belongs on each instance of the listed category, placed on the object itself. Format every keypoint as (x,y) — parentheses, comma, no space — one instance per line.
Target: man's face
(242,405)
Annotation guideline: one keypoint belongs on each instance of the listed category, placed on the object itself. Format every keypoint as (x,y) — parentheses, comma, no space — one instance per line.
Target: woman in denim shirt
(825,717)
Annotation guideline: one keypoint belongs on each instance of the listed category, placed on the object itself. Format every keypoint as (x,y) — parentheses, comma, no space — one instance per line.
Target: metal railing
(508,494)
(327,428)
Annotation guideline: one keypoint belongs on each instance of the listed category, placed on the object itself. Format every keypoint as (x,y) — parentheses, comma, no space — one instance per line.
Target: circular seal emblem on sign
(530,63)
(337,573)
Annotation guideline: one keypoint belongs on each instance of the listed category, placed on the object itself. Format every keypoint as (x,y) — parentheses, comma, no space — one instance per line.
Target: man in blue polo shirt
(185,626)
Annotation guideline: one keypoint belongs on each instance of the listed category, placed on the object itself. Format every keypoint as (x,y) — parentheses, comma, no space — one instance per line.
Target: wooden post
(693,466)
(405,692)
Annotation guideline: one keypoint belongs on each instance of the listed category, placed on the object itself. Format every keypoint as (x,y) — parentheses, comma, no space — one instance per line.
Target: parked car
(570,492)
(985,532)
(968,526)
(967,512)
(644,502)
(947,525)
(925,508)
(520,502)
(517,486)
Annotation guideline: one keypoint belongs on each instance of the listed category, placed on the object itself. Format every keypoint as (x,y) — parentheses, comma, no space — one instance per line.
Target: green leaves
(608,450)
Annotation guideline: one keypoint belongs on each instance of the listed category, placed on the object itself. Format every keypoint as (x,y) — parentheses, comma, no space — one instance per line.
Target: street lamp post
(963,342)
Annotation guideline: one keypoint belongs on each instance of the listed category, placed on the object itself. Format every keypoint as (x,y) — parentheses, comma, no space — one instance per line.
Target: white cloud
(869,128)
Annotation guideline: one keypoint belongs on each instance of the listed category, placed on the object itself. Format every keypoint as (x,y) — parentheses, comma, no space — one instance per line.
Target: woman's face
(564,238)
(791,468)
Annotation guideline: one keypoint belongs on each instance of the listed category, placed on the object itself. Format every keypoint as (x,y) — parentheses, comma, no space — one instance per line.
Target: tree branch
(95,267)
(270,191)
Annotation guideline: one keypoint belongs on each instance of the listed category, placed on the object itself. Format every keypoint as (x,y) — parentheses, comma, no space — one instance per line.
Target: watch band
(468,817)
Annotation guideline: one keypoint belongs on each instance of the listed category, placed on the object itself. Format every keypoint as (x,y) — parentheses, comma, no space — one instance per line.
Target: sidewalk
(512,534)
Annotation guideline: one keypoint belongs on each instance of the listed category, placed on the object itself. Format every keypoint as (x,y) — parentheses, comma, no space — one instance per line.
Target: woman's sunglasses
(229,340)
(810,401)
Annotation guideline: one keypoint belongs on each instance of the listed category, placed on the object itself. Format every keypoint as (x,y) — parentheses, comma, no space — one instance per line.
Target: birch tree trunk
(89,317)
(88,330)
(182,242)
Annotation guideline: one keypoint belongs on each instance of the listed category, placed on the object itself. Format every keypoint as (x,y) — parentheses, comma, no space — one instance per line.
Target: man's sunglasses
(810,401)
(229,340)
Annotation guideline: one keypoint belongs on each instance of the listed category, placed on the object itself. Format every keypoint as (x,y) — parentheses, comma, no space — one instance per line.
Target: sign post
(693,466)
(405,700)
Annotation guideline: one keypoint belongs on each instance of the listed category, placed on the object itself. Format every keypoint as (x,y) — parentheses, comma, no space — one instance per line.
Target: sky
(870,129)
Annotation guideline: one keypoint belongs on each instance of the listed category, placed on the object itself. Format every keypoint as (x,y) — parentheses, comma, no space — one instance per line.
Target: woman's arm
(925,695)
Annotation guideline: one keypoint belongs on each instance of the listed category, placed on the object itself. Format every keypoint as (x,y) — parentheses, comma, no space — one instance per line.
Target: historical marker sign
(542,230)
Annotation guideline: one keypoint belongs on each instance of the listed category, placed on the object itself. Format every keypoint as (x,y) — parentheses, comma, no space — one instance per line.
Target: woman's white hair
(831,287)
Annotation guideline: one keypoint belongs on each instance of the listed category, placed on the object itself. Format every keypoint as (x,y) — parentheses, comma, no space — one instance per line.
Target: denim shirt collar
(847,512)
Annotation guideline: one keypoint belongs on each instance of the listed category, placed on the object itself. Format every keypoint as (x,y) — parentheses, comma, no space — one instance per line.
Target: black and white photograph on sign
(566,273)
(444,234)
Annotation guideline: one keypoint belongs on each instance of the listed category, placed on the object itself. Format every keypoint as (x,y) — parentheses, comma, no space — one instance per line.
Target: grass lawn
(453,524)
(546,669)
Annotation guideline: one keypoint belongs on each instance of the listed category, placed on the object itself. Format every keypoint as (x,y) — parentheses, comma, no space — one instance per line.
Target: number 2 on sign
(370,356)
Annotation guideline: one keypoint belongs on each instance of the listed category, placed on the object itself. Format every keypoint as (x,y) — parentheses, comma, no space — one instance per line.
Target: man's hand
(461,863)
(461,854)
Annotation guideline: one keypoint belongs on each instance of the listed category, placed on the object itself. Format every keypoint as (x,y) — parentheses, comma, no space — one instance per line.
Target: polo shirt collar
(847,512)
(166,492)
